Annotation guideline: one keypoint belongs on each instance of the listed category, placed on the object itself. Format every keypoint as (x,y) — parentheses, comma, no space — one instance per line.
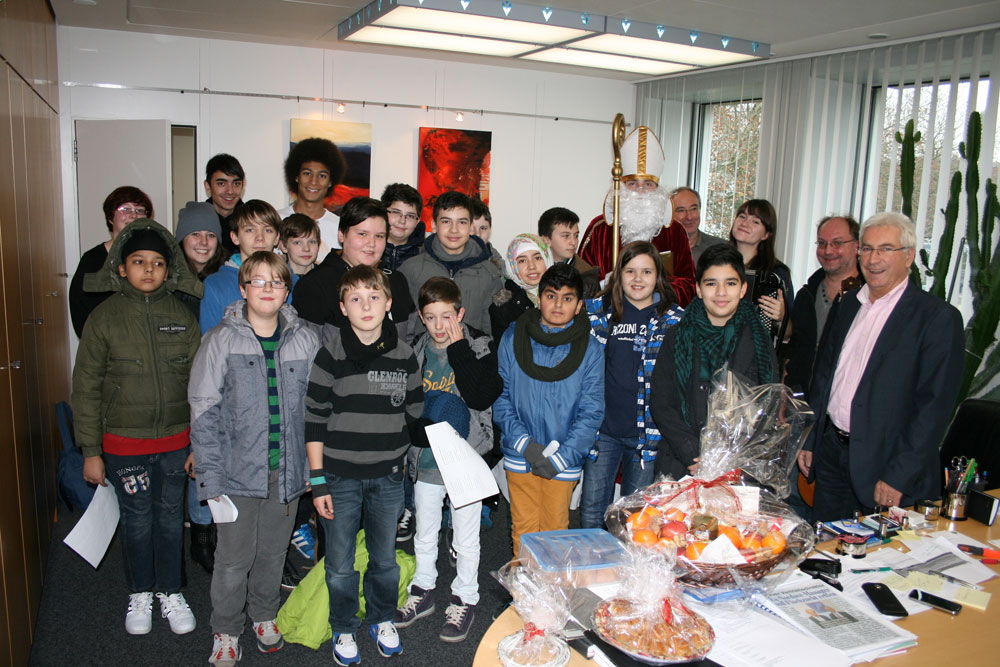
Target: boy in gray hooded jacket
(247,396)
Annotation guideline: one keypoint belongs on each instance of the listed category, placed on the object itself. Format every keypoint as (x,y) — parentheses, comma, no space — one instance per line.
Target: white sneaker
(225,650)
(269,638)
(386,638)
(175,609)
(139,618)
(345,650)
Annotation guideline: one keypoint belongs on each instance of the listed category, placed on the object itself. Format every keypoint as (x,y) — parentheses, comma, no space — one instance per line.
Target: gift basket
(727,524)
(648,621)
(541,602)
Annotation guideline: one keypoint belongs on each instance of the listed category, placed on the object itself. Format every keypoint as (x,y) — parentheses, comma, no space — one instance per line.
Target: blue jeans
(150,490)
(198,511)
(599,477)
(375,503)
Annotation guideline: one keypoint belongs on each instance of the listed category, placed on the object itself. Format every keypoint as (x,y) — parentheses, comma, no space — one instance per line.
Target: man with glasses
(816,303)
(686,203)
(406,231)
(884,385)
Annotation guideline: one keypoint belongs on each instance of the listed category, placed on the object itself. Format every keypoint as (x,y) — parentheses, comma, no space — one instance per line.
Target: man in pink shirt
(885,387)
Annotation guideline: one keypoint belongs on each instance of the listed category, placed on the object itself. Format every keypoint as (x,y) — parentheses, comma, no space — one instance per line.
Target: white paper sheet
(466,475)
(223,510)
(92,534)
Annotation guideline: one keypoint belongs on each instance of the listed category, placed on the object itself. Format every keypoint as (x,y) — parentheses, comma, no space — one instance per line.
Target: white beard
(641,215)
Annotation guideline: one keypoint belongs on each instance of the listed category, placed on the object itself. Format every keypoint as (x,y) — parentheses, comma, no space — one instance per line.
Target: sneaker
(404,529)
(225,650)
(420,603)
(291,576)
(139,617)
(269,639)
(386,639)
(304,541)
(175,609)
(345,650)
(458,620)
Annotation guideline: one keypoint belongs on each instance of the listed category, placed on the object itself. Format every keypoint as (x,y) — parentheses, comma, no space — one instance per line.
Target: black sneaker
(420,603)
(404,529)
(291,576)
(458,620)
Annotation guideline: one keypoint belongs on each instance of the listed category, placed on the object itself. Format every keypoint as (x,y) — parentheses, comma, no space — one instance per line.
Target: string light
(341,107)
(460,116)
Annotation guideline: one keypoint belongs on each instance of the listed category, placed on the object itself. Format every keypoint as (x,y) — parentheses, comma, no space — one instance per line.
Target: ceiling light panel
(478,26)
(606,61)
(660,50)
(434,40)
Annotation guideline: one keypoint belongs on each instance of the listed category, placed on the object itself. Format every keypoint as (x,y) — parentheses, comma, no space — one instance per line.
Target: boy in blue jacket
(552,403)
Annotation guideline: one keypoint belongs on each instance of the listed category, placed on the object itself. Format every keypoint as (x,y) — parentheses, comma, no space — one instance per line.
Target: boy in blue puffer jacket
(552,403)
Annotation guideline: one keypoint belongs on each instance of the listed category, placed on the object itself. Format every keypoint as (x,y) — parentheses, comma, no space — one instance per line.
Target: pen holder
(954,506)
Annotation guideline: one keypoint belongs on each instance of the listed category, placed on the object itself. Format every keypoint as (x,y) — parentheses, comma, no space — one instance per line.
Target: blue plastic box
(588,555)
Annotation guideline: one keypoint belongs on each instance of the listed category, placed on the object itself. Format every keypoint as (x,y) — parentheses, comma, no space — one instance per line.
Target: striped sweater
(360,410)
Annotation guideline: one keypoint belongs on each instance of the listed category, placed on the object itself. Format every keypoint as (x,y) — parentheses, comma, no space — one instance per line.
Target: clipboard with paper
(466,475)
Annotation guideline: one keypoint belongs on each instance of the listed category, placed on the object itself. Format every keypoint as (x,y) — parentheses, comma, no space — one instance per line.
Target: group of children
(329,392)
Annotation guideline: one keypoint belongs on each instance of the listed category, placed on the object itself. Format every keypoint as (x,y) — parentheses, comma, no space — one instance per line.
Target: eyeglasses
(836,245)
(260,283)
(879,251)
(128,210)
(409,217)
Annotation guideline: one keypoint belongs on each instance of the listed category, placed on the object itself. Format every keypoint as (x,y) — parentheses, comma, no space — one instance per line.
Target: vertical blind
(827,136)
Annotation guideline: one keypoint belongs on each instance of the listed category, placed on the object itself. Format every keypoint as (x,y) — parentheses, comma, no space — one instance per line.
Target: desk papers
(466,475)
(92,534)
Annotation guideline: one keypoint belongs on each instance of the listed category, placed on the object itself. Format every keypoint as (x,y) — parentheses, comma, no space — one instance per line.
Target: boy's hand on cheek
(454,330)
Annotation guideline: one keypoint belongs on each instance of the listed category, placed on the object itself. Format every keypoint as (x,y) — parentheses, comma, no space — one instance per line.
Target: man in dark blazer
(885,386)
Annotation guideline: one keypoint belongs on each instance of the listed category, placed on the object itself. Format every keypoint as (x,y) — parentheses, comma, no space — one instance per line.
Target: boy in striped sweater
(364,391)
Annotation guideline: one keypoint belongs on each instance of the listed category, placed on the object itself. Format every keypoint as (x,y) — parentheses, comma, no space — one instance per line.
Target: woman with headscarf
(527,259)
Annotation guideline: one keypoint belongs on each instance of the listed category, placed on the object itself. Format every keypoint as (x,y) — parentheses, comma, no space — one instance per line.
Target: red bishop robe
(596,249)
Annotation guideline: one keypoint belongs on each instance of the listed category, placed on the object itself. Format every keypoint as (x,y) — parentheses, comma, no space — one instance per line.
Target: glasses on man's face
(880,251)
(409,217)
(260,283)
(836,245)
(138,212)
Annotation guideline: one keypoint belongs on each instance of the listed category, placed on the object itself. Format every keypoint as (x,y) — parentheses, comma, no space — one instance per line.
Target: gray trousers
(249,560)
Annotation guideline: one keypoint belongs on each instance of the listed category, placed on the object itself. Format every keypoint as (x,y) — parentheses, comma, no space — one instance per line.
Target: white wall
(537,163)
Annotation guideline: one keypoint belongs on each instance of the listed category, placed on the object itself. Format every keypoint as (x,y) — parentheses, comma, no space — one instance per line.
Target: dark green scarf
(529,327)
(715,346)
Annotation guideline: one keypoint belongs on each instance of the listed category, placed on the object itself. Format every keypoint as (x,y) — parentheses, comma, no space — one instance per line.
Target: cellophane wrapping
(647,619)
(541,600)
(758,429)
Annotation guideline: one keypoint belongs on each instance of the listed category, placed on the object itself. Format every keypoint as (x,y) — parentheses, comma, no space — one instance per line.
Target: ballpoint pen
(872,569)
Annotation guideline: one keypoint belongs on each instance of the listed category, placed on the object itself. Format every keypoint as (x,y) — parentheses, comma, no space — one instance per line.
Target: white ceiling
(792,27)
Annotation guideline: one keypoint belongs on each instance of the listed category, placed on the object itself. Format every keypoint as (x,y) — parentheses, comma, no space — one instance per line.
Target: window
(726,168)
(928,198)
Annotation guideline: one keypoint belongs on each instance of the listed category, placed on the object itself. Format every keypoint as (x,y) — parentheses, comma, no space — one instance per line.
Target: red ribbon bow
(531,631)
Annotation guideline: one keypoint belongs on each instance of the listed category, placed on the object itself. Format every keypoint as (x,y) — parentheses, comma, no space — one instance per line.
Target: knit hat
(145,239)
(197,216)
(441,406)
(521,244)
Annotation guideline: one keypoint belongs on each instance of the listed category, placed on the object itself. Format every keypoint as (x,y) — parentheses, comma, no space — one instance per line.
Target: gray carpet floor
(82,613)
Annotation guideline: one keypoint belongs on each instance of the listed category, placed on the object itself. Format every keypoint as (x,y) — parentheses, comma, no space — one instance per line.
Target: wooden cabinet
(34,364)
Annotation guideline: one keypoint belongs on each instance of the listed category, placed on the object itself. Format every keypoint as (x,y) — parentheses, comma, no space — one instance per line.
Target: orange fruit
(733,535)
(694,549)
(775,540)
(641,519)
(752,541)
(645,537)
(674,514)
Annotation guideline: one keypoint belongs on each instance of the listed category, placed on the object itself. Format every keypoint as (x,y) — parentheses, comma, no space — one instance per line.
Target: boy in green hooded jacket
(130,403)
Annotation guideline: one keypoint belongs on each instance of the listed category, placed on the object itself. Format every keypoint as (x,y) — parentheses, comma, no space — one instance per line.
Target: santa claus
(644,214)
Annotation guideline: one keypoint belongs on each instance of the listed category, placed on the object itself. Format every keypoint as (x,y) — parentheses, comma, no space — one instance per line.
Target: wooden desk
(974,633)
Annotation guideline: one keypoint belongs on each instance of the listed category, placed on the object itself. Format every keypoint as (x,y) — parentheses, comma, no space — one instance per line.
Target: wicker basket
(708,574)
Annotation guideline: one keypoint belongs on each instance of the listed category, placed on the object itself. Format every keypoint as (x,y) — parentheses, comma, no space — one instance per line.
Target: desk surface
(937,633)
